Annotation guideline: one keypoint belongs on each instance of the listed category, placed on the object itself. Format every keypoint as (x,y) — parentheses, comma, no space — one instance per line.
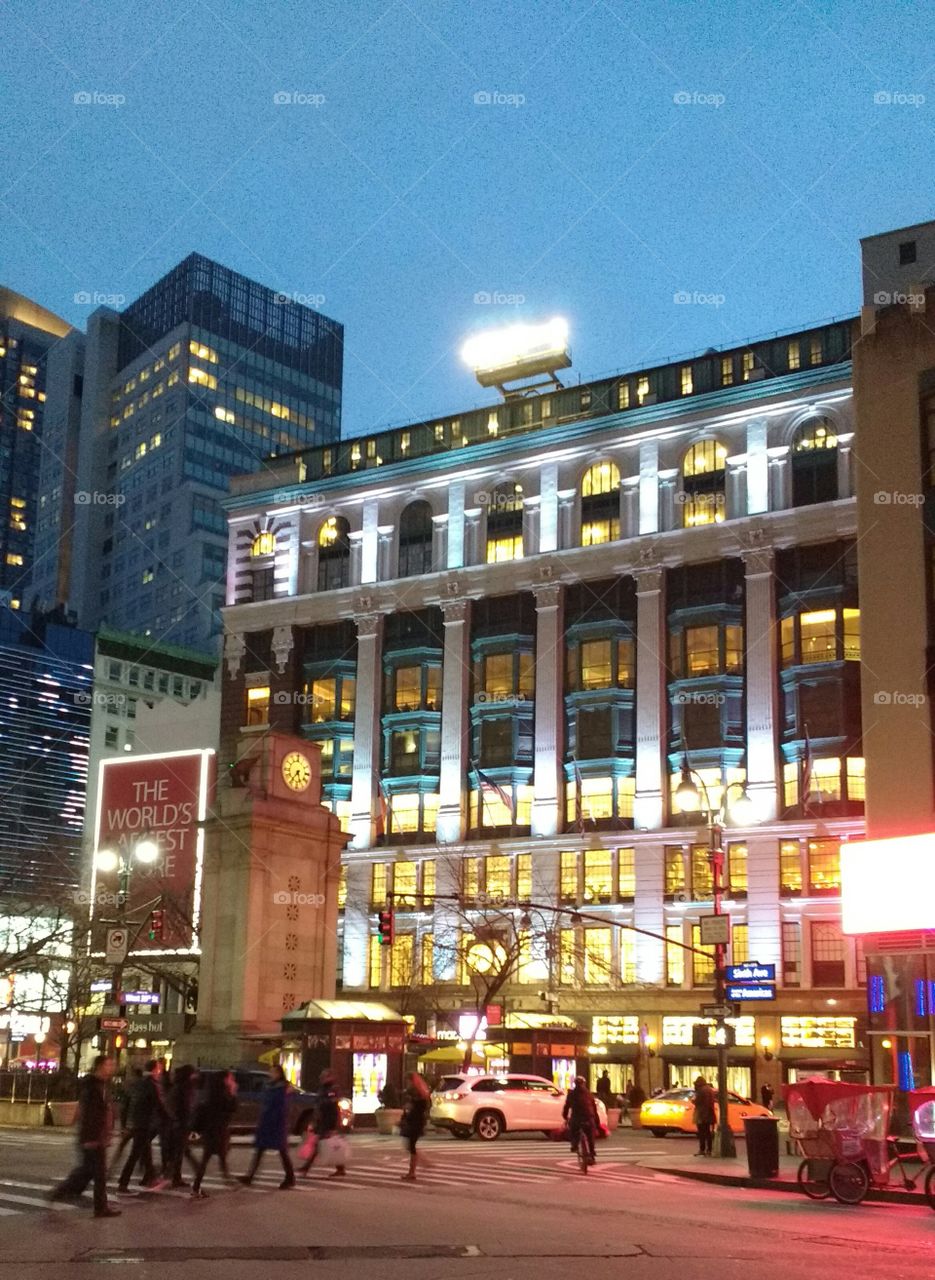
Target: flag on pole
(488,786)
(807,771)
(579,807)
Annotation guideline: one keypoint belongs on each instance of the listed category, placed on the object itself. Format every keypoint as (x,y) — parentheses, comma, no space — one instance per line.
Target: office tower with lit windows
(510,633)
(28,333)
(206,375)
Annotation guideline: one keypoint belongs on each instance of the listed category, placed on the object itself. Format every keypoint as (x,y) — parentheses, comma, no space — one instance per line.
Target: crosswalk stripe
(35,1203)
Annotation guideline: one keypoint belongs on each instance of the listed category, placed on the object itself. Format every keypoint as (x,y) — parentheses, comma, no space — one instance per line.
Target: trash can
(762,1134)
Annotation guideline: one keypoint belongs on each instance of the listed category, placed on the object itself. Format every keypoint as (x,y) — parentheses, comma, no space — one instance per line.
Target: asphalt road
(518,1209)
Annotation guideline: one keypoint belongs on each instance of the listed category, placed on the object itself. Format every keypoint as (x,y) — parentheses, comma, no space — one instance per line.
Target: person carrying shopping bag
(414,1119)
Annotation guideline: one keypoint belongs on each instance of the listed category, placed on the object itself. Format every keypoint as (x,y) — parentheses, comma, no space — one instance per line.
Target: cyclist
(580,1110)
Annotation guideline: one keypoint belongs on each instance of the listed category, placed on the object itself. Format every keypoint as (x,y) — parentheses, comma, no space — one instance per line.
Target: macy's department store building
(510,630)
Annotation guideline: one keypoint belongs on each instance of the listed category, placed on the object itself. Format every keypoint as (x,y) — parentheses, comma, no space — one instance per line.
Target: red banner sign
(152,804)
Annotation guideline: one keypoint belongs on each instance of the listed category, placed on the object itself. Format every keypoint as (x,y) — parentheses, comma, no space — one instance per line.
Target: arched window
(704,483)
(505,523)
(264,544)
(415,540)
(334,554)
(600,504)
(814,463)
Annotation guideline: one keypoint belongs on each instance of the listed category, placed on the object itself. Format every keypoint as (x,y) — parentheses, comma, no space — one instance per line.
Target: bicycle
(585,1149)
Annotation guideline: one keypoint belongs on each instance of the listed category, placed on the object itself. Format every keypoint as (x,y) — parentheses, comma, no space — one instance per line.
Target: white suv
(491,1105)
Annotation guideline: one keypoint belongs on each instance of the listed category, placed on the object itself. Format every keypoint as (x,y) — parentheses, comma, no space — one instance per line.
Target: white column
(356,540)
(845,477)
(649,913)
(370,543)
(357,924)
(455,558)
(548,507)
(630,508)
(473,546)
(446,918)
(454,749)
(649,486)
(366,731)
(761,666)
(439,542)
(566,519)
(548,924)
(735,495)
(531,525)
(757,468)
(387,553)
(669,516)
(649,805)
(778,460)
(546,804)
(763,902)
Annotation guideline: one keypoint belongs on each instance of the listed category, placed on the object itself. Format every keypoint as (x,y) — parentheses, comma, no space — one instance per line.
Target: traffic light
(157,925)
(701,1035)
(385,927)
(725,1035)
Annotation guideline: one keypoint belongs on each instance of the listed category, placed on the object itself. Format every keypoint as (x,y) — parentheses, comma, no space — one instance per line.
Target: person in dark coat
(705,1115)
(272,1130)
(327,1119)
(95,1125)
(146,1116)
(180,1102)
(414,1119)
(580,1110)
(605,1090)
(212,1119)
(766,1094)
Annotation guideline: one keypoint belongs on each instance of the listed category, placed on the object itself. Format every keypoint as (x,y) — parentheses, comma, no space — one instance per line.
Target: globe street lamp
(691,796)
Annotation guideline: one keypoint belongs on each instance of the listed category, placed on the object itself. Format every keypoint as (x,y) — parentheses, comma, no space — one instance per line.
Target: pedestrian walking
(766,1094)
(211,1120)
(95,1125)
(146,1116)
(704,1116)
(180,1102)
(126,1136)
(272,1130)
(605,1090)
(327,1121)
(413,1121)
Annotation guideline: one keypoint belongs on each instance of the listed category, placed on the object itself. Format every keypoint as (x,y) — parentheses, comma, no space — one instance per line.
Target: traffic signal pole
(724,1144)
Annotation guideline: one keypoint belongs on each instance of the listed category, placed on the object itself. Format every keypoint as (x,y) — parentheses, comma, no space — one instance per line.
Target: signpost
(715,930)
(114,1024)
(718,1011)
(750,991)
(118,943)
(751,972)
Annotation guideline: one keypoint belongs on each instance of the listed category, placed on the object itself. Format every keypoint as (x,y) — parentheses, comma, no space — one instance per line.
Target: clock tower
(270,914)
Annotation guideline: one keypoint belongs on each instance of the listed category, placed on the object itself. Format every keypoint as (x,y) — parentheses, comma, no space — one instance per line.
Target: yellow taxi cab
(673,1112)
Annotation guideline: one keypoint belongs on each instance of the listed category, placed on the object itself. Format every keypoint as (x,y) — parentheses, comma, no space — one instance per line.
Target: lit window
(376,961)
(159,389)
(600,504)
(568,876)
(140,451)
(790,868)
(627,940)
(202,352)
(685,379)
(674,883)
(598,964)
(626,874)
(623,395)
(342,888)
(675,956)
(264,544)
(701,651)
(428,951)
(702,960)
(428,882)
(524,876)
(156,440)
(852,635)
(704,483)
(174,350)
(498,875)
(748,364)
(817,631)
(148,576)
(702,873)
(814,350)
(401,953)
(202,378)
(470,878)
(172,378)
(378,884)
(404,884)
(642,390)
(567,956)
(596,664)
(258,705)
(740,944)
(856,779)
(509,547)
(824,866)
(727,371)
(794,357)
(222,414)
(737,868)
(826,779)
(598,875)
(408,688)
(13,559)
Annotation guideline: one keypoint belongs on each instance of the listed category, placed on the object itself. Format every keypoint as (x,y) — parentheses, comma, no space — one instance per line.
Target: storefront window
(369,1078)
(818,1033)
(598,875)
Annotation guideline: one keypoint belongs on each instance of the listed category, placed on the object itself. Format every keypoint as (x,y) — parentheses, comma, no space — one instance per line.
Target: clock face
(296,771)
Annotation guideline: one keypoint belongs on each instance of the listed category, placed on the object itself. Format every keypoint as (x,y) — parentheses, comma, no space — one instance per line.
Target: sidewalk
(733,1172)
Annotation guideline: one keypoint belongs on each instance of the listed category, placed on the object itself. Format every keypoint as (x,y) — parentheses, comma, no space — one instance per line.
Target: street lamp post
(691,798)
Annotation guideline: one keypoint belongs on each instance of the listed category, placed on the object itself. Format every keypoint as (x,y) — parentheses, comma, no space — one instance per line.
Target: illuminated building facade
(204,376)
(509,629)
(27,334)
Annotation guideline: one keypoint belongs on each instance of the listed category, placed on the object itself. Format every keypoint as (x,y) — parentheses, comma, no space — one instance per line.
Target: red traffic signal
(385,927)
(157,925)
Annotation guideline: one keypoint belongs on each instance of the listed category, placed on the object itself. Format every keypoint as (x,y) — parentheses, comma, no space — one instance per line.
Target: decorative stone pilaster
(282,646)
(761,700)
(649,486)
(366,731)
(357,925)
(845,468)
(235,647)
(649,805)
(454,746)
(547,793)
(548,507)
(757,467)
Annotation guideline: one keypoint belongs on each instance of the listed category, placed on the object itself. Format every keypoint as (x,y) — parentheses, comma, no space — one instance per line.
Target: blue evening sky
(555,156)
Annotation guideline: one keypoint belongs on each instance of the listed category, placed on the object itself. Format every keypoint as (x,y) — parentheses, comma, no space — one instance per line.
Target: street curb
(782,1184)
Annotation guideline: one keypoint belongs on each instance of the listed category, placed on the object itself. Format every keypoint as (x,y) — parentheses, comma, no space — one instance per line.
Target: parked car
(489,1105)
(251,1081)
(673,1112)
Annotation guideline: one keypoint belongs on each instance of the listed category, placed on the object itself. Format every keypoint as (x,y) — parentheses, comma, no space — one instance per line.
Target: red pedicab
(841,1131)
(922,1112)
